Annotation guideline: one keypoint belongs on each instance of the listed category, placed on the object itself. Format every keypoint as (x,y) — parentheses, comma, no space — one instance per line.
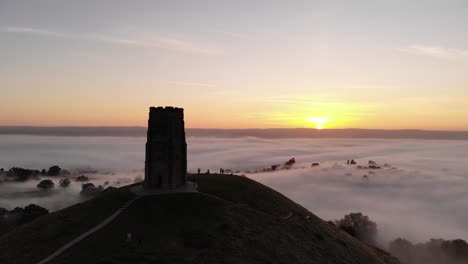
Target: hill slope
(248,223)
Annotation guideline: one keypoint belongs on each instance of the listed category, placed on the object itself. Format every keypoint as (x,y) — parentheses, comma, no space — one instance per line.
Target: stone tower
(166,149)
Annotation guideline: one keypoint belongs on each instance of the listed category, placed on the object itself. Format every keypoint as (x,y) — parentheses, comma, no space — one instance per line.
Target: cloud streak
(192,84)
(34,31)
(163,42)
(136,40)
(436,52)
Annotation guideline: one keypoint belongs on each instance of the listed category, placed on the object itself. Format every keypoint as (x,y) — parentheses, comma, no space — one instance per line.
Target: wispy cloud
(233,34)
(183,45)
(373,87)
(137,40)
(317,100)
(289,101)
(436,51)
(296,110)
(192,84)
(34,31)
(163,42)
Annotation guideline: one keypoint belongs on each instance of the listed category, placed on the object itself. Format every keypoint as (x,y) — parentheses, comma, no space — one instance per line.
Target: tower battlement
(166,109)
(166,149)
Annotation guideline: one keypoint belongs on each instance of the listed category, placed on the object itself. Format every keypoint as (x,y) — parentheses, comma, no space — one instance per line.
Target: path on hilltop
(98,227)
(139,192)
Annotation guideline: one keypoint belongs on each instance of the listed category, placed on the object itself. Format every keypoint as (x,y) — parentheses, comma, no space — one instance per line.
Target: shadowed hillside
(245,223)
(31,242)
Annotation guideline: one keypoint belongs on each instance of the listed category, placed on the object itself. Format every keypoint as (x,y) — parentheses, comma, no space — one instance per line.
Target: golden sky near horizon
(321,64)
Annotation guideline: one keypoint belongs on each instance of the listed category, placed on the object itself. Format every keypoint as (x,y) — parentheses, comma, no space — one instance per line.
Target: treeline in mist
(434,251)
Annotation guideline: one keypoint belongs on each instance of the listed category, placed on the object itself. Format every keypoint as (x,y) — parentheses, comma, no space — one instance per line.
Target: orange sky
(353,65)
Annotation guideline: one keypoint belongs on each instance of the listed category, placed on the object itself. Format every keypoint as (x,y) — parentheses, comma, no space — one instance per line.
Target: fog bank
(421,196)
(271,133)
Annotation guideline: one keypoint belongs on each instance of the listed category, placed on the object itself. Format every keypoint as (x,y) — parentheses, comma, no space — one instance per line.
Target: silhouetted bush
(32,212)
(45,185)
(54,171)
(64,182)
(358,226)
(456,249)
(87,186)
(18,216)
(402,247)
(435,251)
(20,174)
(90,189)
(290,162)
(82,178)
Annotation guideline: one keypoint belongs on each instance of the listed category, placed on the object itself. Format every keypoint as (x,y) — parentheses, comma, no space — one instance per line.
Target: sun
(319,121)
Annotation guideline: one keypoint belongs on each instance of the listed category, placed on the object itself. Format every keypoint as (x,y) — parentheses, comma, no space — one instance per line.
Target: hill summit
(231,219)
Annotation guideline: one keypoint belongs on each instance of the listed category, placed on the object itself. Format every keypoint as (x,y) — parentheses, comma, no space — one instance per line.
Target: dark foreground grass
(31,242)
(243,190)
(246,225)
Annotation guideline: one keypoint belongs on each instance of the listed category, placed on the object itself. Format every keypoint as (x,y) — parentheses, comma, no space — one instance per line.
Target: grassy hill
(245,223)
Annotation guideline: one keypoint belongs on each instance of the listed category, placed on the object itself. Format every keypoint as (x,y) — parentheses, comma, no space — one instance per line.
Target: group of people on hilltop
(221,171)
(371,164)
(290,162)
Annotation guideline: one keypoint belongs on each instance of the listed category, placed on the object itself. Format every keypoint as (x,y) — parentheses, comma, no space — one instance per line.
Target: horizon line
(250,128)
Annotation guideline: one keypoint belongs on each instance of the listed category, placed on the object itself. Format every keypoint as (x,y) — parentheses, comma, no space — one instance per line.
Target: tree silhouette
(64,182)
(54,171)
(359,226)
(45,185)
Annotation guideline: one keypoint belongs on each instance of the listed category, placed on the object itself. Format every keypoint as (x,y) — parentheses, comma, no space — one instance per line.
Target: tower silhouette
(166,149)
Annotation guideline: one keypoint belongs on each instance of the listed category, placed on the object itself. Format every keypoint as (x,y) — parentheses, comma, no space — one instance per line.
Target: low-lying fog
(422,195)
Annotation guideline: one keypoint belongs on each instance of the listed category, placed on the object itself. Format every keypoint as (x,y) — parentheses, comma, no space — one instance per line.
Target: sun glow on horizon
(319,121)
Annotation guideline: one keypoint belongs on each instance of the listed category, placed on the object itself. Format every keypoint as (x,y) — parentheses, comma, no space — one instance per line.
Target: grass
(246,226)
(31,242)
(243,190)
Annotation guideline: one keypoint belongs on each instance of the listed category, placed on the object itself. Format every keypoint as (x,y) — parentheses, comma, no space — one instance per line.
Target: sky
(236,64)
